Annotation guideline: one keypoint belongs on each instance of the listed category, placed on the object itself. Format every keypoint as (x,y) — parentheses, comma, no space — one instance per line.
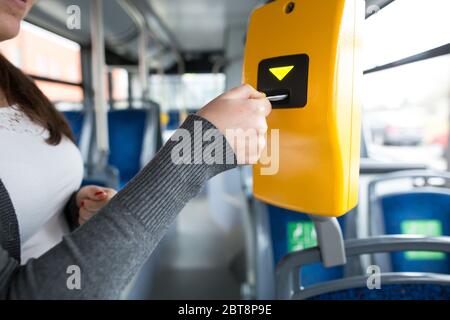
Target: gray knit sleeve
(111,247)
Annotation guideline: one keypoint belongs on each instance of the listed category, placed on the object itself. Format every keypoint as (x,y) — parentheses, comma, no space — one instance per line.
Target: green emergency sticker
(301,235)
(429,228)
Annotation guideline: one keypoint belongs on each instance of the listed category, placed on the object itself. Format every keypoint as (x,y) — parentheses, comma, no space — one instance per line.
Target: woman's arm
(112,246)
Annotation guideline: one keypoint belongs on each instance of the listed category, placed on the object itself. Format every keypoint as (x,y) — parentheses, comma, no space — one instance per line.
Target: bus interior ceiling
(196,46)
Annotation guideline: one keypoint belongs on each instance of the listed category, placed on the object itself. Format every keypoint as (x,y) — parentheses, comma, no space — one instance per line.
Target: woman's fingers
(88,192)
(264,105)
(93,205)
(240,114)
(94,193)
(98,193)
(244,91)
(85,214)
(89,208)
(90,200)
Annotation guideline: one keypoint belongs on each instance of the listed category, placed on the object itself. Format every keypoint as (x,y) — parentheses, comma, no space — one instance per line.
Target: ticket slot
(277,95)
(285,80)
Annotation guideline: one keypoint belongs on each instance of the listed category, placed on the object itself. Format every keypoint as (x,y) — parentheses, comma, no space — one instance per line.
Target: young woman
(41,171)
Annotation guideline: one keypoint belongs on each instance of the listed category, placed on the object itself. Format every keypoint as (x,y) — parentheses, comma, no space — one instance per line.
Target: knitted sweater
(111,247)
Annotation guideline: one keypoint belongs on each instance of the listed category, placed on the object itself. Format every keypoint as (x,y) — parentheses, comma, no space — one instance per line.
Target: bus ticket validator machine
(305,55)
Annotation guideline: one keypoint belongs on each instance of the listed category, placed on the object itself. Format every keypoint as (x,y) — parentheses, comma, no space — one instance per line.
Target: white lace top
(40,179)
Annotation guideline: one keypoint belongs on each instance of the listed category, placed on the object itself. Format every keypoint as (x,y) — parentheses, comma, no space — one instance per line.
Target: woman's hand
(90,199)
(240,115)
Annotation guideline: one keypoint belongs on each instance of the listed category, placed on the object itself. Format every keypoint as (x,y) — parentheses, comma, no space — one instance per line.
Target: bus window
(119,90)
(406,107)
(405,28)
(61,92)
(189,91)
(407,115)
(47,57)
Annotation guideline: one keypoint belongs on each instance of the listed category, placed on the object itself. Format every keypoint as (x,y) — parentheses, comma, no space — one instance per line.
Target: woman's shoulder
(14,120)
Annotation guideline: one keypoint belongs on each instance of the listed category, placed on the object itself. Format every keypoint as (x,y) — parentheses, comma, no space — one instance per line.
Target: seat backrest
(127,130)
(426,205)
(174,120)
(76,122)
(81,123)
(425,213)
(414,291)
(293,231)
(291,287)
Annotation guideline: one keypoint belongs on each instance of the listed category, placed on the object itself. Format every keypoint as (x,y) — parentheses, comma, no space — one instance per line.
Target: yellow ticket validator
(305,55)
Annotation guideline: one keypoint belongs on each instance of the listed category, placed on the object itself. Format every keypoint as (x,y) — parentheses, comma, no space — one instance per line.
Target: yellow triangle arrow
(281,72)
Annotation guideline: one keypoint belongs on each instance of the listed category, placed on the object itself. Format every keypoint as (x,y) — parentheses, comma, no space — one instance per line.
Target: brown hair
(20,90)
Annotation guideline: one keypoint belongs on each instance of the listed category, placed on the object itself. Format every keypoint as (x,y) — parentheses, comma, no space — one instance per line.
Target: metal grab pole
(143,64)
(143,44)
(98,76)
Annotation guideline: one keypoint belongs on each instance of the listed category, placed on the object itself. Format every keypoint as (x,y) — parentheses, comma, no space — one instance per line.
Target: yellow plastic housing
(319,145)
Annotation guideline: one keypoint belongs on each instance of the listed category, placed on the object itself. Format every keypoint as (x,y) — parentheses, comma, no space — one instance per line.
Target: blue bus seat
(76,122)
(426,213)
(368,285)
(126,137)
(134,138)
(82,124)
(422,209)
(413,291)
(174,120)
(293,231)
